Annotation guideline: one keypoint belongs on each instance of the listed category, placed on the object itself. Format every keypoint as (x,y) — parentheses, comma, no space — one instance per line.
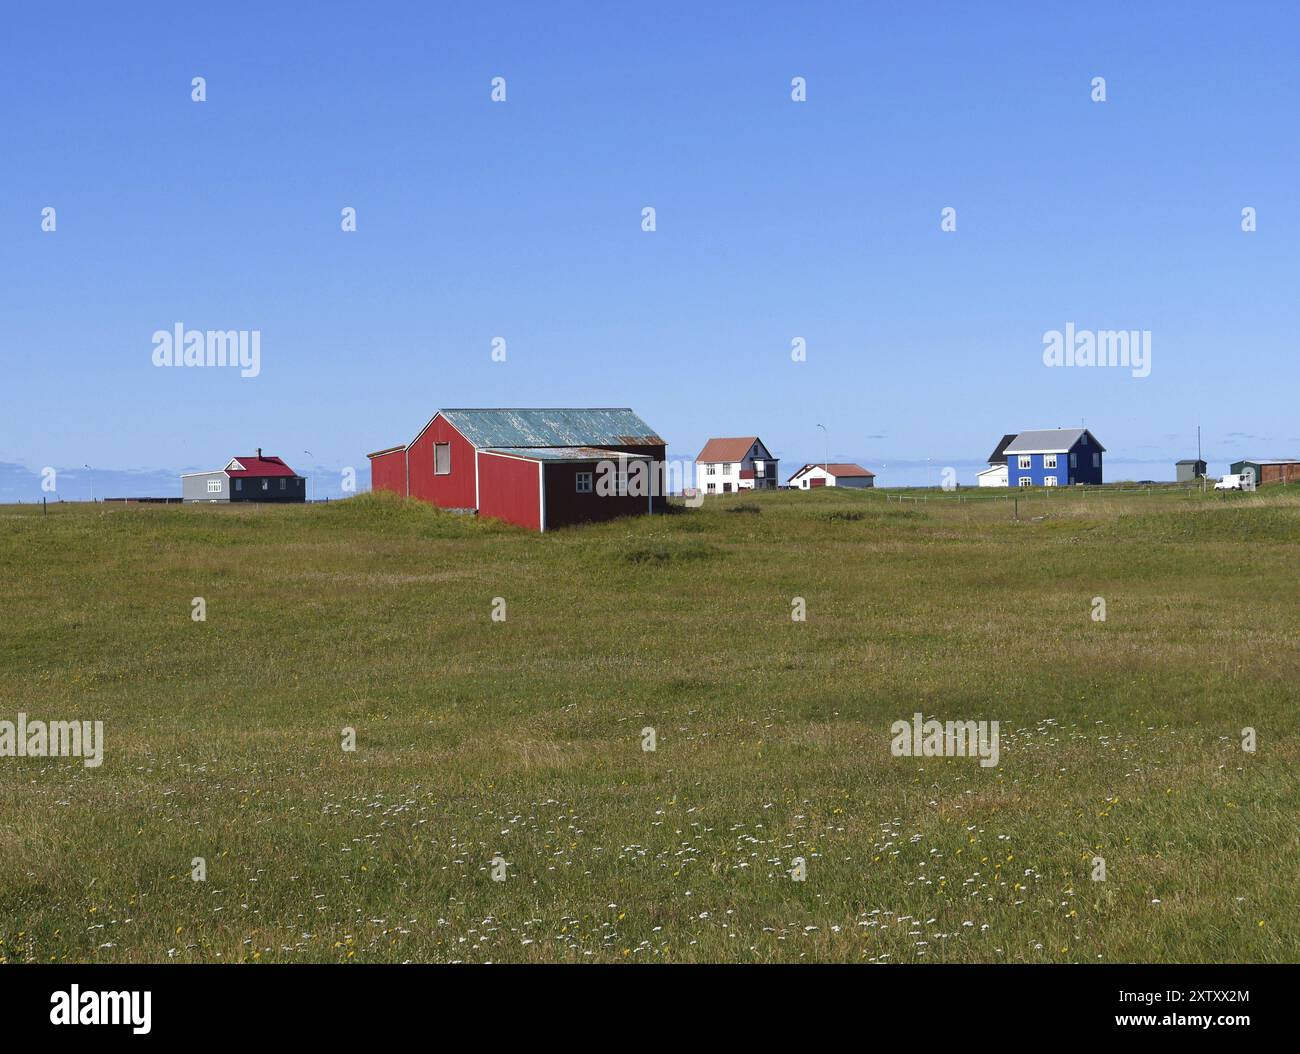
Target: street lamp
(313,477)
(826,465)
(92,482)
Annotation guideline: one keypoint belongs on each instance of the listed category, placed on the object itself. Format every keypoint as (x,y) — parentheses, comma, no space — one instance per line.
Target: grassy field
(523,738)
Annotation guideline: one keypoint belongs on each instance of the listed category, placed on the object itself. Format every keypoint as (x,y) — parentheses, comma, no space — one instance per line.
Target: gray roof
(1049,441)
(597,426)
(1268,461)
(1191,461)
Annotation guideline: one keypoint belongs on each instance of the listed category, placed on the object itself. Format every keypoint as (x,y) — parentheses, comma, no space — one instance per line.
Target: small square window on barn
(442,459)
(214,486)
(582,483)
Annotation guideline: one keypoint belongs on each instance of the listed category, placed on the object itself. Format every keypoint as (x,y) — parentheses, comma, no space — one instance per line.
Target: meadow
(521,740)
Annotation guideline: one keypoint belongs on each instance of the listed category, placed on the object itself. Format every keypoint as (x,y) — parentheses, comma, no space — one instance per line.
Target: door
(817,481)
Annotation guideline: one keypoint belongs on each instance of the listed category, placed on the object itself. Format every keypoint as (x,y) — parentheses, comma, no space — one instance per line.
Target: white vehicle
(1240,481)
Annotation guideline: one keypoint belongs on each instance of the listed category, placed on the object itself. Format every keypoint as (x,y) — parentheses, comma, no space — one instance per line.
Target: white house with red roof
(741,463)
(256,478)
(832,474)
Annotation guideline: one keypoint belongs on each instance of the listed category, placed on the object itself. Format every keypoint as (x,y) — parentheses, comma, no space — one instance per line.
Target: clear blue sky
(523,220)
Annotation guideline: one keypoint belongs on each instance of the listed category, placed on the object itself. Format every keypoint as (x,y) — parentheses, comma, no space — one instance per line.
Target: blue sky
(522,220)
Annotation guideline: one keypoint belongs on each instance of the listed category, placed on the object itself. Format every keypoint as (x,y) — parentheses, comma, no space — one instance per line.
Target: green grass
(523,737)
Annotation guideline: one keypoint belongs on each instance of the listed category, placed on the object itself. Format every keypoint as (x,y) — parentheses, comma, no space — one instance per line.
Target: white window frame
(283,483)
(1026,461)
(1049,481)
(446,471)
(711,488)
(214,486)
(582,483)
(266,484)
(711,470)
(1049,461)
(1026,481)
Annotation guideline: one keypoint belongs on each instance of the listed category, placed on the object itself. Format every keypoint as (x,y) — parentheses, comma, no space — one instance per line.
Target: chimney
(259,453)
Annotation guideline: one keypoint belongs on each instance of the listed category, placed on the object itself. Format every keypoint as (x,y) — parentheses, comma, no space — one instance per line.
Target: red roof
(840,468)
(258,466)
(719,450)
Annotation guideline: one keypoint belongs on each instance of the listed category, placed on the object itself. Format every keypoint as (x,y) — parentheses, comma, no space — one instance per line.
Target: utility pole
(313,477)
(826,465)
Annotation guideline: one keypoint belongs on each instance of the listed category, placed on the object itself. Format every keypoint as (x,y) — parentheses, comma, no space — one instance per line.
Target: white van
(1240,481)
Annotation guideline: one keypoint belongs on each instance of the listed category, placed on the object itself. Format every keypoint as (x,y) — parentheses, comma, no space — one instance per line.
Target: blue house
(1054,457)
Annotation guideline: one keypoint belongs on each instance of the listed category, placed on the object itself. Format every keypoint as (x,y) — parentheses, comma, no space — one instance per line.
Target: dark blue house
(1054,457)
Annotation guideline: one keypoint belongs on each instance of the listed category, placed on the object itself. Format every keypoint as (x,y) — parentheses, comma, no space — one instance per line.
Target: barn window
(442,459)
(1026,461)
(214,486)
(1049,461)
(583,483)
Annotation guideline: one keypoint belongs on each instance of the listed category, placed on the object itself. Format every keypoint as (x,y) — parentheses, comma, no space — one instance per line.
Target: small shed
(1189,470)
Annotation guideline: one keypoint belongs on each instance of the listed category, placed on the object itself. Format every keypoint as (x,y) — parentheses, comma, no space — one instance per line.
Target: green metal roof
(606,426)
(564,453)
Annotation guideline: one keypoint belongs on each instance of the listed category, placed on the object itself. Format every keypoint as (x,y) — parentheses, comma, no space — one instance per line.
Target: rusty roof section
(552,427)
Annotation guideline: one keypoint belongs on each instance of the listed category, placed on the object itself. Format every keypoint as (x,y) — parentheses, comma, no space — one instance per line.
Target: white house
(729,465)
(833,474)
(996,474)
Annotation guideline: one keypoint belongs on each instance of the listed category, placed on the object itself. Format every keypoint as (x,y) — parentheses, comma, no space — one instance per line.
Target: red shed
(537,468)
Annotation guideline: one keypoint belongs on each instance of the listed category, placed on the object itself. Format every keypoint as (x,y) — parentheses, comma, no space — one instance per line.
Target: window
(1049,461)
(758,469)
(726,488)
(1026,461)
(582,483)
(1026,481)
(713,470)
(1096,461)
(442,459)
(282,482)
(1049,481)
(214,486)
(266,484)
(711,488)
(239,484)
(1074,460)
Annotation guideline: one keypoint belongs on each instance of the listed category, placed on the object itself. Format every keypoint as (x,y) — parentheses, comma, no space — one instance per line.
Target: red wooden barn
(537,468)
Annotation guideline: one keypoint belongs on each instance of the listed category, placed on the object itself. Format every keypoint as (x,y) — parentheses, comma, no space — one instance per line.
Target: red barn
(536,468)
